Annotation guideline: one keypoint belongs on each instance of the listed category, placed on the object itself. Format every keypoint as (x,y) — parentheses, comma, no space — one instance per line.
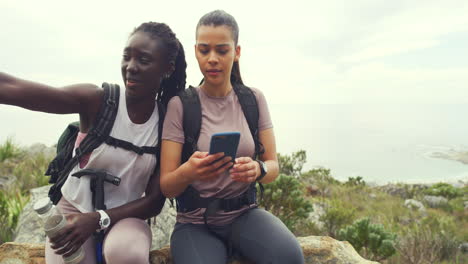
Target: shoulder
(174,105)
(257,92)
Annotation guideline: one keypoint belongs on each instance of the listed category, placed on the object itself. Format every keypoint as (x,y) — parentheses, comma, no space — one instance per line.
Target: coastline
(453,155)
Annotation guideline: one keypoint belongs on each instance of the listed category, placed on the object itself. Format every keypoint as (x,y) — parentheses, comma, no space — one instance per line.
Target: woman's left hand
(79,228)
(245,170)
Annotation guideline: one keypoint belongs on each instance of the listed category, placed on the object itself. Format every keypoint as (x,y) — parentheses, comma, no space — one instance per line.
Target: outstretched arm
(84,99)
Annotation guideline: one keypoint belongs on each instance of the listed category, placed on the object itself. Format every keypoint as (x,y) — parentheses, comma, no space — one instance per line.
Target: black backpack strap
(249,106)
(96,136)
(192,125)
(118,143)
(192,118)
(162,115)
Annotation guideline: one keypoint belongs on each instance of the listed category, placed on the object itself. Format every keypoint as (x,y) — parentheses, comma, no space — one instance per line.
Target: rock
(415,205)
(6,182)
(15,253)
(313,190)
(38,148)
(435,201)
(29,228)
(317,212)
(317,250)
(164,226)
(464,247)
(405,191)
(326,250)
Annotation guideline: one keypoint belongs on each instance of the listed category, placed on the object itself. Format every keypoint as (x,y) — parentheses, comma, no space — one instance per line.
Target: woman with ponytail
(153,70)
(217,211)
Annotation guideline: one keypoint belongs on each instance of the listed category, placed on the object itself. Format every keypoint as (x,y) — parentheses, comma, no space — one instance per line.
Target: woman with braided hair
(217,211)
(153,70)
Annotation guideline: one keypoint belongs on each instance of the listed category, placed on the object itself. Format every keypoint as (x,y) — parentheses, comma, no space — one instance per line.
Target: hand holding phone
(226,142)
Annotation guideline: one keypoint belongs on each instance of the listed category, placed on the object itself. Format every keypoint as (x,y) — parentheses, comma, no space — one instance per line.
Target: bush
(358,181)
(336,216)
(321,178)
(284,198)
(444,189)
(371,240)
(9,150)
(292,164)
(11,206)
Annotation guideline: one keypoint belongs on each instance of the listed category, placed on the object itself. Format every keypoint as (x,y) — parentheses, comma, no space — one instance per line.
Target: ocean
(380,142)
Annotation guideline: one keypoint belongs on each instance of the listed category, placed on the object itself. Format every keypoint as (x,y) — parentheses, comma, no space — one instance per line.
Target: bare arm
(267,138)
(84,99)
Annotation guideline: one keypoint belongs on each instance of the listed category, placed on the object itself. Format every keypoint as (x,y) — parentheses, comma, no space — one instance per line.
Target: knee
(291,254)
(129,241)
(126,253)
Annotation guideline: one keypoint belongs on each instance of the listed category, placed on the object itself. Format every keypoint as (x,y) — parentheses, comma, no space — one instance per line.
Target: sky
(297,52)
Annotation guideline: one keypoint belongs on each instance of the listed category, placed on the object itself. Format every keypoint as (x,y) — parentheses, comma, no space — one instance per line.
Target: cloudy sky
(297,52)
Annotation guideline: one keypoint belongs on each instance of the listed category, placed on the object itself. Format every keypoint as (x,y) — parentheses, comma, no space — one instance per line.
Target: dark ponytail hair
(174,53)
(222,18)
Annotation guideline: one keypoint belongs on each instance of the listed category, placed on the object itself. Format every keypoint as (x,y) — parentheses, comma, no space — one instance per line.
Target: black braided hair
(174,53)
(222,18)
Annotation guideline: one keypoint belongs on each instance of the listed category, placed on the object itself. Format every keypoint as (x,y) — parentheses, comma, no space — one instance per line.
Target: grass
(9,150)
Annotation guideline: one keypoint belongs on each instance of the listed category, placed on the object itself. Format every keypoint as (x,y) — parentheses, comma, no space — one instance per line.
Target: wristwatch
(104,221)
(263,169)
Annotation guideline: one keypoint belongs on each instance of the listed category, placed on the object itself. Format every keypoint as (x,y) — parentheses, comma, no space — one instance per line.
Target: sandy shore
(460,156)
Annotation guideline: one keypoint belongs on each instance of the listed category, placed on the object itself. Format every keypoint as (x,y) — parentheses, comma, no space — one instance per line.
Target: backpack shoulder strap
(192,118)
(162,114)
(96,136)
(249,106)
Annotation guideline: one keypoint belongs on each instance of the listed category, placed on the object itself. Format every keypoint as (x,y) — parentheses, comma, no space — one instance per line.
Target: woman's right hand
(203,166)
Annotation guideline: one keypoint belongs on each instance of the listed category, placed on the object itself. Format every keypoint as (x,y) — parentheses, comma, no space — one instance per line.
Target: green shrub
(371,240)
(292,164)
(444,189)
(336,216)
(284,198)
(358,181)
(30,171)
(9,150)
(11,206)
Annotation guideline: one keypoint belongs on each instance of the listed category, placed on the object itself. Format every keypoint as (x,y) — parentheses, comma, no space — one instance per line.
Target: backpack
(190,199)
(60,167)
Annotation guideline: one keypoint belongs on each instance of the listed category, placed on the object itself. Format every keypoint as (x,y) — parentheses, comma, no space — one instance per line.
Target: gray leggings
(256,235)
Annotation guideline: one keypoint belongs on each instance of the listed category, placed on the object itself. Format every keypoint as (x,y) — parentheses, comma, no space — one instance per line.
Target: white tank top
(133,170)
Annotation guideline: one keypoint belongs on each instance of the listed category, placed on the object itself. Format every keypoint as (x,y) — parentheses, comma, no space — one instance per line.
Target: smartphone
(226,142)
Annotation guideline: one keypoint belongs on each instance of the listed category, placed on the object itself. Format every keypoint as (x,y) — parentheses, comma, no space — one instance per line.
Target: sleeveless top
(134,170)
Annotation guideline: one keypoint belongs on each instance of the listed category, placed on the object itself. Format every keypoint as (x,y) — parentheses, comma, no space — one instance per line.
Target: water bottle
(54,221)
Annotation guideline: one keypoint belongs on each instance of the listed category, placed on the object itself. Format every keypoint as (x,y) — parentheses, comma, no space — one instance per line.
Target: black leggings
(257,235)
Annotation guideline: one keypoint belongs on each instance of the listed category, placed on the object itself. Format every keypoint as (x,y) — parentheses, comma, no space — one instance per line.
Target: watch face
(105,222)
